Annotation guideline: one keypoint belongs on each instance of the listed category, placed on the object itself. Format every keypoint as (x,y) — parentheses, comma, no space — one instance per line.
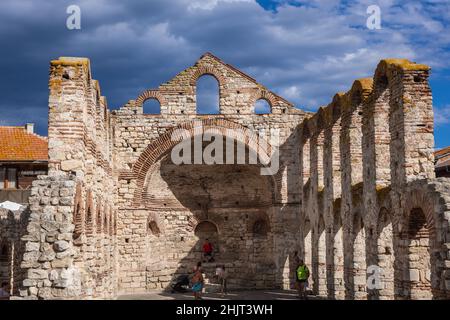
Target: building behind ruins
(355,195)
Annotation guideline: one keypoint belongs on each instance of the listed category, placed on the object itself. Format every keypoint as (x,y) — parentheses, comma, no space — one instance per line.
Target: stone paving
(234,295)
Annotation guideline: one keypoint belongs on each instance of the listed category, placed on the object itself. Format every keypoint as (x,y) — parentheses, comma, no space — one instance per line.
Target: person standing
(222,276)
(197,282)
(302,275)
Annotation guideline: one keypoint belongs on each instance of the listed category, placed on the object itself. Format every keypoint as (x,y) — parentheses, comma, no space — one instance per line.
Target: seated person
(208,251)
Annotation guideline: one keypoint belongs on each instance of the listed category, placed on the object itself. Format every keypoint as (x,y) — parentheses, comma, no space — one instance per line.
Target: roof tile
(16,144)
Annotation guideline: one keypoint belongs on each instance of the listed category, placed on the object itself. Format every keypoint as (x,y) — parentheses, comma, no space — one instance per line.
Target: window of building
(207,95)
(152,106)
(8,178)
(262,106)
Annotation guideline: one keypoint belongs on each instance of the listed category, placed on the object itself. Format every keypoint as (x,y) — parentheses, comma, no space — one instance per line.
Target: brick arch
(150,94)
(384,201)
(207,70)
(78,212)
(99,215)
(162,145)
(420,199)
(261,219)
(264,95)
(90,213)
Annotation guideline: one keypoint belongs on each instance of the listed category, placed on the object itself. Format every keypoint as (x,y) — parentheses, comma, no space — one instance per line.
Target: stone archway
(164,144)
(418,253)
(207,230)
(419,259)
(385,254)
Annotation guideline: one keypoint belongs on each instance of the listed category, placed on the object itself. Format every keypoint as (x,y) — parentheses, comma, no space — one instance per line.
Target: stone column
(68,105)
(332,190)
(351,175)
(411,122)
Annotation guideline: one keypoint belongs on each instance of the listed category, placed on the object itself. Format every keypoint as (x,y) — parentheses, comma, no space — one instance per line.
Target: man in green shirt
(302,275)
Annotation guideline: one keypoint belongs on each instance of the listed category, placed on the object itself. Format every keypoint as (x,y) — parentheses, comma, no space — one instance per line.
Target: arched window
(260,228)
(206,230)
(207,95)
(151,106)
(417,227)
(262,106)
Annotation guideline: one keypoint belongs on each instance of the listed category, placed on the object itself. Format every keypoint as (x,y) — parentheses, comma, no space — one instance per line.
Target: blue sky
(305,51)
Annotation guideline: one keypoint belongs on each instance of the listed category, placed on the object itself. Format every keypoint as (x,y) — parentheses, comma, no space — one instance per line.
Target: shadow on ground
(233,295)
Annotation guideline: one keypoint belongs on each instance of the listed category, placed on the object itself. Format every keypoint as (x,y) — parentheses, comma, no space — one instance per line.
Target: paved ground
(234,295)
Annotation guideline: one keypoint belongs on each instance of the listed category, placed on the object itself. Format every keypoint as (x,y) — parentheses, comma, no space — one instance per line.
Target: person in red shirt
(208,251)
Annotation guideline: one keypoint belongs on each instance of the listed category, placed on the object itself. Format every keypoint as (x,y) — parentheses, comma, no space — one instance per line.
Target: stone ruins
(355,194)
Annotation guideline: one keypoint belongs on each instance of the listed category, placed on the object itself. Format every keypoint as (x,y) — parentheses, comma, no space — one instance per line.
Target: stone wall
(380,181)
(12,227)
(355,192)
(142,140)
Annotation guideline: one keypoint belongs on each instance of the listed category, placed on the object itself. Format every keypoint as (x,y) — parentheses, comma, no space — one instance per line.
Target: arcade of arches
(354,196)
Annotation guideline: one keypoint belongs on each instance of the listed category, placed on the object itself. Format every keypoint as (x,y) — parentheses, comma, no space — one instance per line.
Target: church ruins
(355,194)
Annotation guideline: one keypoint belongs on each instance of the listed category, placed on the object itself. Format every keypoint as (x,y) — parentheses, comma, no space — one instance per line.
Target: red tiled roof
(16,144)
(442,152)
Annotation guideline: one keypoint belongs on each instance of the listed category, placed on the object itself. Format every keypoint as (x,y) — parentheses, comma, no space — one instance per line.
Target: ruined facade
(354,194)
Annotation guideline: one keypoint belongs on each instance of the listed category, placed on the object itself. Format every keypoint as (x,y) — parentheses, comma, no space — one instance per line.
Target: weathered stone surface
(71,165)
(355,189)
(61,245)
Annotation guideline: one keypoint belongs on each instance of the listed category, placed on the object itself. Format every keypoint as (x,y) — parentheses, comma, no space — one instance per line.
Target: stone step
(211,288)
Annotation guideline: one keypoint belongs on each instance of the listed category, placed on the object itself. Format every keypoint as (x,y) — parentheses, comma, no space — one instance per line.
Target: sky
(305,51)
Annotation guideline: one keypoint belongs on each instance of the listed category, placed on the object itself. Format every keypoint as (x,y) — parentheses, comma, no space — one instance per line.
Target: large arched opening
(419,257)
(228,204)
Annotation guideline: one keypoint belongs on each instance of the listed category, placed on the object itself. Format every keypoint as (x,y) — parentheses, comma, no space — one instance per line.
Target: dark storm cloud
(305,53)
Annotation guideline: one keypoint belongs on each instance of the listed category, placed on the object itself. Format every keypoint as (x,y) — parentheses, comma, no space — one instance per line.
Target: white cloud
(292,92)
(442,116)
(306,54)
(210,4)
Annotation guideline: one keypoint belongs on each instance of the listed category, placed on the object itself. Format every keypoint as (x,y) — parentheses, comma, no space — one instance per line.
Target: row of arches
(207,99)
(90,220)
(205,229)
(354,261)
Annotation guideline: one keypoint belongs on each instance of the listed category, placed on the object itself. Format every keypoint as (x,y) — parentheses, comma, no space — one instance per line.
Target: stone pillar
(376,139)
(332,188)
(69,85)
(48,261)
(351,175)
(411,121)
(316,187)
